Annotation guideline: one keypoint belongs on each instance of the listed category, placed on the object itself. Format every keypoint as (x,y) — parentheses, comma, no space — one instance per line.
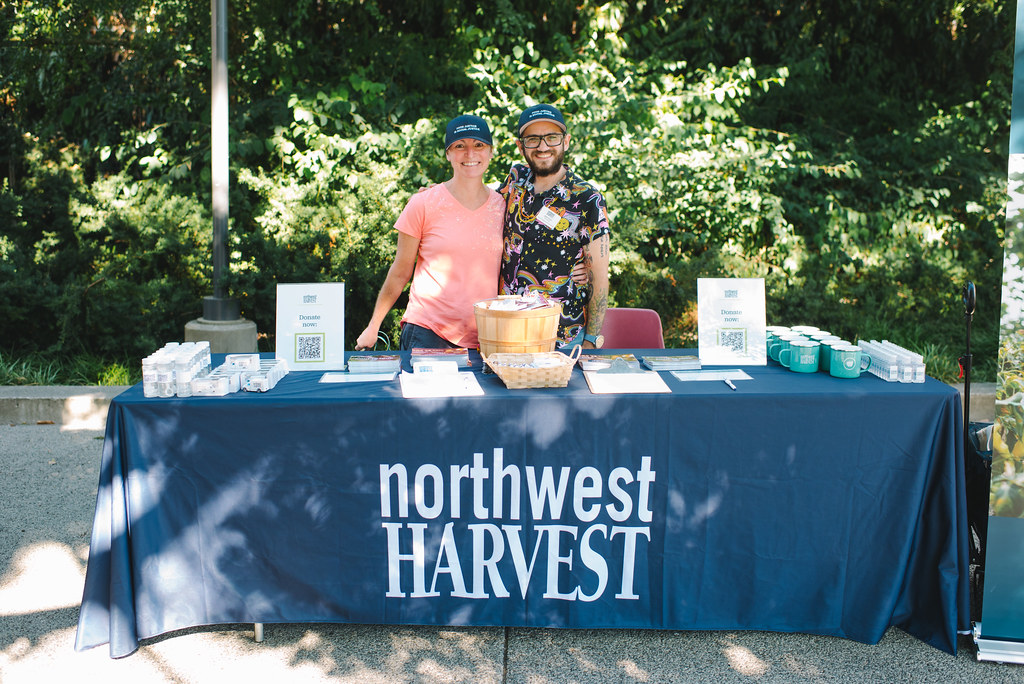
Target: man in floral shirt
(554,218)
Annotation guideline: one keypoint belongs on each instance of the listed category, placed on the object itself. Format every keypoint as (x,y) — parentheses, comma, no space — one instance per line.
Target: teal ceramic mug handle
(865,362)
(787,350)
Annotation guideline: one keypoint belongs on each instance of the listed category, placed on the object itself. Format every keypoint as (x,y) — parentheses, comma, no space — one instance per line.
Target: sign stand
(1003,591)
(731,322)
(311,326)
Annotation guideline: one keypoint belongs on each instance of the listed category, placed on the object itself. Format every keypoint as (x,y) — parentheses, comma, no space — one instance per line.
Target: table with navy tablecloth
(794,503)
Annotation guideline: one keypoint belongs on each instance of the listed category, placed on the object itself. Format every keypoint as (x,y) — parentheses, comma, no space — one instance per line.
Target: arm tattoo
(595,312)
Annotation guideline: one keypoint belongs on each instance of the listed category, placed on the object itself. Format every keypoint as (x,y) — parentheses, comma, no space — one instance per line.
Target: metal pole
(967,361)
(219,307)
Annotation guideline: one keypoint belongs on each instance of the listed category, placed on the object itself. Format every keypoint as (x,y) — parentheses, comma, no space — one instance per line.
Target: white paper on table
(432,385)
(734,374)
(641,382)
(358,377)
(731,321)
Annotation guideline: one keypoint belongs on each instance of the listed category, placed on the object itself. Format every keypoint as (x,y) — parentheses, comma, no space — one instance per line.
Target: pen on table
(729,383)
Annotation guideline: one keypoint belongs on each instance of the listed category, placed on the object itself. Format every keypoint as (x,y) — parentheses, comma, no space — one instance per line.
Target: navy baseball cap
(467,126)
(541,112)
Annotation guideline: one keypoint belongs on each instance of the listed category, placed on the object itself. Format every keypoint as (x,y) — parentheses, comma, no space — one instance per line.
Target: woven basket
(532,330)
(512,370)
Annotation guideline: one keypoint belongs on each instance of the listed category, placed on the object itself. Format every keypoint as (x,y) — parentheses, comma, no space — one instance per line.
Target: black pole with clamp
(967,360)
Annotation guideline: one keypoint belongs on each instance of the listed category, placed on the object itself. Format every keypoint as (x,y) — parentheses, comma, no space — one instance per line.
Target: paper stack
(375,363)
(457,354)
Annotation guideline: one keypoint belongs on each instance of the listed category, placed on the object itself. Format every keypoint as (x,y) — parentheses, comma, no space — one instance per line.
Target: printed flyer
(731,321)
(311,325)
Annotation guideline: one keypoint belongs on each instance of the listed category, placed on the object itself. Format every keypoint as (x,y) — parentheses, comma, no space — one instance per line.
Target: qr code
(309,347)
(733,340)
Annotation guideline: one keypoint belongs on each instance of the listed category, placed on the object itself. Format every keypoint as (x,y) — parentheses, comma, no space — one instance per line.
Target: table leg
(257,629)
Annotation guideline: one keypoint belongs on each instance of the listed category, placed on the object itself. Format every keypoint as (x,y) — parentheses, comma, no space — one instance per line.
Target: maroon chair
(632,329)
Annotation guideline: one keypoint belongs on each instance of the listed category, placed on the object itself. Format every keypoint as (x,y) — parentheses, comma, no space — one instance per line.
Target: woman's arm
(398,277)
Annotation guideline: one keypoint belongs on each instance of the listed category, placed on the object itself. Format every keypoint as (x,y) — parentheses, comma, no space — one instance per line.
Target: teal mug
(848,361)
(782,342)
(772,333)
(825,354)
(801,356)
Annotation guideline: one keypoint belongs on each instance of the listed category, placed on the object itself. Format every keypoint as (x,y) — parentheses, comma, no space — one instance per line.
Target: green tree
(854,156)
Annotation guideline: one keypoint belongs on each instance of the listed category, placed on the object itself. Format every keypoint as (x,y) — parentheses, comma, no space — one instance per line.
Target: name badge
(548,217)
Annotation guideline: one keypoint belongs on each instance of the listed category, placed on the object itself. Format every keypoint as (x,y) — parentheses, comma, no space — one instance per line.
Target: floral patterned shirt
(543,238)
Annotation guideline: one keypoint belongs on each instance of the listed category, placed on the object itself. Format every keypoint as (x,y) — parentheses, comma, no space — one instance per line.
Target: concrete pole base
(225,337)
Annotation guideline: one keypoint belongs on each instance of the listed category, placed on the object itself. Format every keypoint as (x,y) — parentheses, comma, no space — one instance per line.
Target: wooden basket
(513,370)
(532,330)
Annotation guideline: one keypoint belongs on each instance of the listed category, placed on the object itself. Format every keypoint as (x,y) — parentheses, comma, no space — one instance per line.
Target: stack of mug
(807,349)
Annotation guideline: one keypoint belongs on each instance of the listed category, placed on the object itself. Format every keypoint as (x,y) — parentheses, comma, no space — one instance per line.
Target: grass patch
(82,369)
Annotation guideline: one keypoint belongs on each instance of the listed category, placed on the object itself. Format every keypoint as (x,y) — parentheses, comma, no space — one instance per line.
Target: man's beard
(552,166)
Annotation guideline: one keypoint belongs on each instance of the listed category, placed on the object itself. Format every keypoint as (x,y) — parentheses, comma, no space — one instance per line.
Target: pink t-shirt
(457,265)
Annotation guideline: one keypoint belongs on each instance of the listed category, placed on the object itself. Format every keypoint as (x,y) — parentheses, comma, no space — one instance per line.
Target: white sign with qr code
(731,321)
(311,326)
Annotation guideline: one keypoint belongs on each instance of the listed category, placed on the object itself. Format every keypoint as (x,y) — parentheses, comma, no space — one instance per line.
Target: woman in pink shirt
(449,243)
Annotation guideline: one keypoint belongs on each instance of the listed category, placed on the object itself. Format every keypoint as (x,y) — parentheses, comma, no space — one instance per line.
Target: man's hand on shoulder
(580,273)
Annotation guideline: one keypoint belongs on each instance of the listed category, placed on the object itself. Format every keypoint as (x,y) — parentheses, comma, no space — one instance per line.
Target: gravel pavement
(47,494)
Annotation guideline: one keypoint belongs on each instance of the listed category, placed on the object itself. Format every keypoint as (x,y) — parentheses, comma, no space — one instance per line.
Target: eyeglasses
(552,139)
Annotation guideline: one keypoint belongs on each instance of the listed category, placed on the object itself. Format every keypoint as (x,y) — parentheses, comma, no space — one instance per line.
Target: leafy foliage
(1007,487)
(854,156)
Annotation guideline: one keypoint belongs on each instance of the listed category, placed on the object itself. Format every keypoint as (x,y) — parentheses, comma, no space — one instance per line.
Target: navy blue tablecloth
(796,503)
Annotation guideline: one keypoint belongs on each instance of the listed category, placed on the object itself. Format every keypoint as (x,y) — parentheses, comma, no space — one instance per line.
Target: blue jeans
(413,335)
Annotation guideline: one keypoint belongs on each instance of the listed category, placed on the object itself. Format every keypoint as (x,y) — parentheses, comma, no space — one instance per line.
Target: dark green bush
(855,159)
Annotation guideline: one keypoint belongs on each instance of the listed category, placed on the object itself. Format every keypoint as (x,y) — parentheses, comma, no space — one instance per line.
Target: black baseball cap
(467,126)
(541,112)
